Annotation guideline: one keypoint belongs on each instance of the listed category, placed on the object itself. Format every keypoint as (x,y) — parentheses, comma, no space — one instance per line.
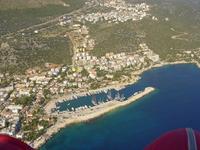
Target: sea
(174,104)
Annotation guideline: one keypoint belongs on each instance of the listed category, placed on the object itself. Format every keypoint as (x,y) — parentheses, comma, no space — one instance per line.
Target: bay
(174,104)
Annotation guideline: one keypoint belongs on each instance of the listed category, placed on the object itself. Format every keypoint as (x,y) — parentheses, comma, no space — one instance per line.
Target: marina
(88,101)
(85,113)
(79,99)
(138,124)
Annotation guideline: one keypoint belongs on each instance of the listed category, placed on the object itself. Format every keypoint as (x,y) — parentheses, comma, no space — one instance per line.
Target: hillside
(13,4)
(26,49)
(18,14)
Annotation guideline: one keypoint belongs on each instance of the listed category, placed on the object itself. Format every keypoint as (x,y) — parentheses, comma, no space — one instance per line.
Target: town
(120,11)
(22,98)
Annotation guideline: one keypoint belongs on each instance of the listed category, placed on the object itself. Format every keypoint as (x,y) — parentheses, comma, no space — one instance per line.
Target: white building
(2,122)
(14,108)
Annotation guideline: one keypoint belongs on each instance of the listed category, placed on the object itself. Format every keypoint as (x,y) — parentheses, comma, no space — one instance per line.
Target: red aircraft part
(181,139)
(10,143)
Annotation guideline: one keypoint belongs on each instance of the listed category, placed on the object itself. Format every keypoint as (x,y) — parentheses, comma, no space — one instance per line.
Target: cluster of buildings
(65,20)
(156,19)
(4,93)
(53,81)
(62,79)
(14,116)
(148,53)
(115,62)
(10,121)
(120,11)
(190,55)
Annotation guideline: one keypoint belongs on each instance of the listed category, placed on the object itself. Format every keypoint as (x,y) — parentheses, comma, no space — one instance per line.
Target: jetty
(81,115)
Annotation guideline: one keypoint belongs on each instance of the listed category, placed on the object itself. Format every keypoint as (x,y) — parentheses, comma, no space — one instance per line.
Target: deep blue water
(175,104)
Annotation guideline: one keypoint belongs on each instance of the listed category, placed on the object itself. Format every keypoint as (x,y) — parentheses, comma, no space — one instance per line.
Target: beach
(69,118)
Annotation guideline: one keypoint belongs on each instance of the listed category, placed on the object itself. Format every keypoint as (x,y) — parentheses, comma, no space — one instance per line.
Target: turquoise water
(175,104)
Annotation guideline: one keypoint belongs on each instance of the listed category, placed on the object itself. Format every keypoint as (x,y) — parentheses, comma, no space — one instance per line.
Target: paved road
(55,20)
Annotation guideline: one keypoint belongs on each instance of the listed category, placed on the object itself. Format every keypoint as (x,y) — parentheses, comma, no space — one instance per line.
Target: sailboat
(122,97)
(94,100)
(109,96)
(117,96)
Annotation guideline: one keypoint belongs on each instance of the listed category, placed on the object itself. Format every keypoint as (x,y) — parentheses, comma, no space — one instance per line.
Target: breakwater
(68,118)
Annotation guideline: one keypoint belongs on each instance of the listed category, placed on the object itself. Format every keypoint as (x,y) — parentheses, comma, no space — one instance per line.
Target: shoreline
(40,141)
(68,97)
(118,86)
(86,115)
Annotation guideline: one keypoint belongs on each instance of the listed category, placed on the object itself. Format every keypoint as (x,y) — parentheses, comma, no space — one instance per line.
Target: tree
(25,100)
(46,93)
(84,72)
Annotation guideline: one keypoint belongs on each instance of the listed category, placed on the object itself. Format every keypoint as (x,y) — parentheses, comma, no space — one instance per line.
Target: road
(52,21)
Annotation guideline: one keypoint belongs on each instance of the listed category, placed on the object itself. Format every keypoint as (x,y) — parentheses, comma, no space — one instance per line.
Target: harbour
(85,113)
(173,105)
(78,99)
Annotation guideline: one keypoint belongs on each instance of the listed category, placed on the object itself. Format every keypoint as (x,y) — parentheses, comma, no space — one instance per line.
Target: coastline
(118,86)
(87,115)
(62,123)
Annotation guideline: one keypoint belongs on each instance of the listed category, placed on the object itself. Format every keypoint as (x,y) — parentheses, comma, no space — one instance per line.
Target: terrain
(54,49)
(170,29)
(182,17)
(12,4)
(24,48)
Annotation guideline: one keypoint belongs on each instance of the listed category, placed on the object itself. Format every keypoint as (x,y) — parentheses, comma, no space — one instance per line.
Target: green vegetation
(19,4)
(159,35)
(101,73)
(95,85)
(36,49)
(114,38)
(4,82)
(25,48)
(32,127)
(16,19)
(84,72)
(166,38)
(118,74)
(25,100)
(46,93)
